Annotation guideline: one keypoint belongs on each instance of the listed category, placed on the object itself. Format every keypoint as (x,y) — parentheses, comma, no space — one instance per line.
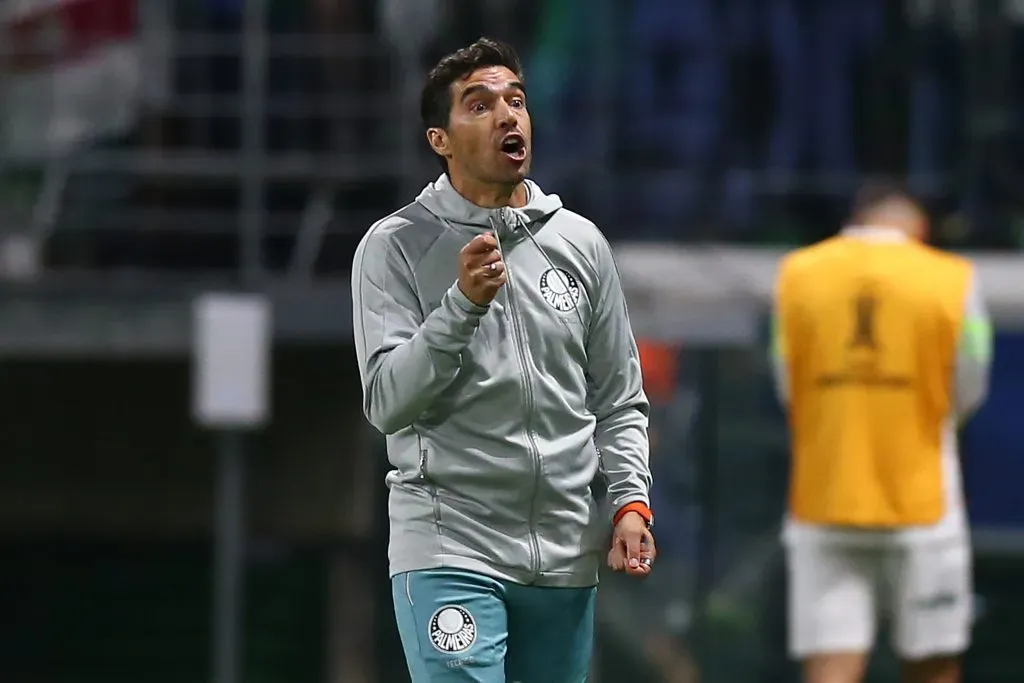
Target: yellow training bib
(871,332)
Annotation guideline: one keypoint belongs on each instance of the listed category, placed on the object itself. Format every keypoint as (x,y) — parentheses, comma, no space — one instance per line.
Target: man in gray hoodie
(496,355)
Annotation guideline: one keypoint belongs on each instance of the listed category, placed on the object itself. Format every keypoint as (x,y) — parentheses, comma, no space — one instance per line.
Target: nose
(506,116)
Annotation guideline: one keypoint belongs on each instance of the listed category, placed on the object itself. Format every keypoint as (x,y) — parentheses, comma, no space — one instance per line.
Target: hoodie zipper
(528,400)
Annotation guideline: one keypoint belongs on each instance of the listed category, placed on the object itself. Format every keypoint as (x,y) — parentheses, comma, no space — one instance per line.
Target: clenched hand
(481,270)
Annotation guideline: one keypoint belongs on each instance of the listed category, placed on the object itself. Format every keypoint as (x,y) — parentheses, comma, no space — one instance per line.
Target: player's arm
(615,394)
(974,352)
(405,361)
(778,350)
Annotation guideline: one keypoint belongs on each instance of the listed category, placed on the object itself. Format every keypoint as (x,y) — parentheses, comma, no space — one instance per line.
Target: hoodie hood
(444,201)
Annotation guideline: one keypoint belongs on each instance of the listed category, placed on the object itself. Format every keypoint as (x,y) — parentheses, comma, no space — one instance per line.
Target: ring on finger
(647,562)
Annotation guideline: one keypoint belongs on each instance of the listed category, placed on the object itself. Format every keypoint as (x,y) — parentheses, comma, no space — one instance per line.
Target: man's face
(489,135)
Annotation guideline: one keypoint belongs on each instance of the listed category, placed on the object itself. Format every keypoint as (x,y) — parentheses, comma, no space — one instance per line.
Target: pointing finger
(633,545)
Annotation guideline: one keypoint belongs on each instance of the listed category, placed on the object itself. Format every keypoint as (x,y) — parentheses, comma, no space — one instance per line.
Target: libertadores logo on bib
(560,289)
(452,629)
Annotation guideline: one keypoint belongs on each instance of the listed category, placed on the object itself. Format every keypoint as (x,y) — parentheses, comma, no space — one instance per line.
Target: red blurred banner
(70,71)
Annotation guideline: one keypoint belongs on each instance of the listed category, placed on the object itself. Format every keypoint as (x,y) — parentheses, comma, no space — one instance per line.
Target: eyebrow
(480,87)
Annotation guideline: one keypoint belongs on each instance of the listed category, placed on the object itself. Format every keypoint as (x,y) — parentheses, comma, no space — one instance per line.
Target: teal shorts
(463,627)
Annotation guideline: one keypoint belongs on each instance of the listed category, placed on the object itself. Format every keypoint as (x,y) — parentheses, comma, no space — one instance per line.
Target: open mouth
(514,146)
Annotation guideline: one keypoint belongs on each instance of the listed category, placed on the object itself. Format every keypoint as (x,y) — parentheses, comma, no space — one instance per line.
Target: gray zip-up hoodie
(502,419)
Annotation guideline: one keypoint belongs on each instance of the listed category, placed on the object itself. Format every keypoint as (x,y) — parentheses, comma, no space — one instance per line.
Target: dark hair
(436,98)
(874,193)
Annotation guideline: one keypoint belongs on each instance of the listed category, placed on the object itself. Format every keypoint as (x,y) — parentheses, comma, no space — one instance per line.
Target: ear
(923,230)
(439,142)
(920,227)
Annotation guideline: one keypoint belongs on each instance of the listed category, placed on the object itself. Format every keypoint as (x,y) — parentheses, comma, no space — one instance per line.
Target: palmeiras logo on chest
(560,289)
(452,629)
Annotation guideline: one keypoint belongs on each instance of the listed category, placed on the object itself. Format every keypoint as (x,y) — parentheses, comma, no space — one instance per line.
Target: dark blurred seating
(694,121)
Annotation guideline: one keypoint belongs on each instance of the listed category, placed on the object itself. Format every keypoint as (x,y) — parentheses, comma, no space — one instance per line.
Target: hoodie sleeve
(616,394)
(405,361)
(974,353)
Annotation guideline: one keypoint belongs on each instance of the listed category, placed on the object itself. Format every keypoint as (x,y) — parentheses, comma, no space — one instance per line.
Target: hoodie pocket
(424,476)
(423,470)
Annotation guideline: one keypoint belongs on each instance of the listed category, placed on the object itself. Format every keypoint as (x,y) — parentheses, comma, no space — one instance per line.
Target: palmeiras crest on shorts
(560,288)
(452,629)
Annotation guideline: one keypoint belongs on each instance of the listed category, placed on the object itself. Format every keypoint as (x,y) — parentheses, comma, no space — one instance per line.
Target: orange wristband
(637,507)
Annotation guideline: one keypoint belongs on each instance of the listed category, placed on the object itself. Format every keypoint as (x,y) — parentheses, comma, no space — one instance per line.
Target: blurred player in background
(497,356)
(882,346)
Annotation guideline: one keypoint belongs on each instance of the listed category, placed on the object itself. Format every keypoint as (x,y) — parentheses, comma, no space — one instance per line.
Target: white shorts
(838,592)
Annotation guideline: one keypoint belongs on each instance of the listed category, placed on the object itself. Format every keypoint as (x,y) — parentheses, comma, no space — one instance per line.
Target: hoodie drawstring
(513,220)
